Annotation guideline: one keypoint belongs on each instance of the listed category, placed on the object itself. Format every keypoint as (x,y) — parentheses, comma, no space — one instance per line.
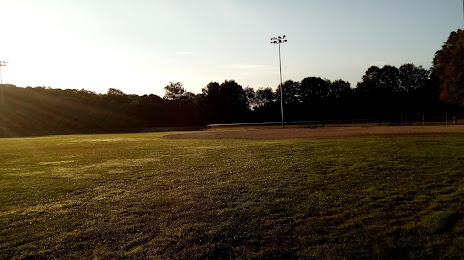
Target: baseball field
(361,192)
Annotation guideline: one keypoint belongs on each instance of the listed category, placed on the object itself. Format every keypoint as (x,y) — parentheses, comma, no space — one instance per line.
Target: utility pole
(278,40)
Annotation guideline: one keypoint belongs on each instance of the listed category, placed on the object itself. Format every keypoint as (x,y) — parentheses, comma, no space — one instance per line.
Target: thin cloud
(242,66)
(184,53)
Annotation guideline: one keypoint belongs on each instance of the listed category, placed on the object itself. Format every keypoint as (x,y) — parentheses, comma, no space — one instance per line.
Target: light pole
(278,40)
(2,99)
(2,63)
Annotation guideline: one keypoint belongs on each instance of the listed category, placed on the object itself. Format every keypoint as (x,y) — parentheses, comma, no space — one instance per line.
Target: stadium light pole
(278,40)
(2,63)
(2,99)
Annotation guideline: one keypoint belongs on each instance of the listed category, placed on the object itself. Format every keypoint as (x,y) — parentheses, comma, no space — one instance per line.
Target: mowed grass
(144,196)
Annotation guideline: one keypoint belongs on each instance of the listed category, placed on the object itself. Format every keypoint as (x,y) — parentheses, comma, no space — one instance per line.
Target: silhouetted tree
(290,93)
(114,91)
(290,98)
(389,91)
(251,97)
(390,80)
(313,96)
(267,106)
(314,90)
(181,105)
(374,93)
(412,78)
(448,68)
(370,82)
(339,90)
(265,97)
(175,91)
(415,94)
(339,99)
(226,102)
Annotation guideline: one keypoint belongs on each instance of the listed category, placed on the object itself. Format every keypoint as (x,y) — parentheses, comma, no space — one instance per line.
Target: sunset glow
(141,46)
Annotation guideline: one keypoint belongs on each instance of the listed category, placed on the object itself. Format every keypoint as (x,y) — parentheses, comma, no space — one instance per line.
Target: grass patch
(439,221)
(140,195)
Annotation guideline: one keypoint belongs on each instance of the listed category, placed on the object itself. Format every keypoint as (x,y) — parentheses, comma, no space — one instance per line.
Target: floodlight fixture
(278,40)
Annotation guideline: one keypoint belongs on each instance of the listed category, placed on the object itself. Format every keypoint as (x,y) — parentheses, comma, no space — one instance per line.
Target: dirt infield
(324,132)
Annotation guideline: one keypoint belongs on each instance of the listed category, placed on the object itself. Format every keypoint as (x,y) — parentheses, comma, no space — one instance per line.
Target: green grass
(144,196)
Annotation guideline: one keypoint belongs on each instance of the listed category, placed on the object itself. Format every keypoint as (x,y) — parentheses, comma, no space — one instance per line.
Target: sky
(139,46)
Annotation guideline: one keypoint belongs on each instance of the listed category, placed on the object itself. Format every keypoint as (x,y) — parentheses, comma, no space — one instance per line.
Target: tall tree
(290,92)
(417,94)
(181,105)
(339,90)
(313,95)
(226,102)
(267,105)
(265,97)
(412,78)
(380,82)
(389,79)
(115,92)
(370,81)
(375,93)
(338,101)
(448,68)
(314,90)
(251,97)
(175,91)
(290,98)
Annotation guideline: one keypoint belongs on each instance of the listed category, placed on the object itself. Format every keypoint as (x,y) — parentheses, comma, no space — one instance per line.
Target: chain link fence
(417,119)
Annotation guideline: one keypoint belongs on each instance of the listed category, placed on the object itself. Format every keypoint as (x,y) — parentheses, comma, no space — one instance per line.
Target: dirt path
(324,132)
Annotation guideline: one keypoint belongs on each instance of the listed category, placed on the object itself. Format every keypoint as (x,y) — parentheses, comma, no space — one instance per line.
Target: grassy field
(144,196)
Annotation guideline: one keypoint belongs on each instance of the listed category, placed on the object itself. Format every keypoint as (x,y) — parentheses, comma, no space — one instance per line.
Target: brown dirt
(324,132)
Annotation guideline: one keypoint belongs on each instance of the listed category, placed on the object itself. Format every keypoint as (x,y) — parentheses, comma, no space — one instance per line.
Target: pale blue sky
(139,46)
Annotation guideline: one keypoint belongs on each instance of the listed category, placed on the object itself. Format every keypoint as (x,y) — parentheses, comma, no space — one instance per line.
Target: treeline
(39,110)
(382,92)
